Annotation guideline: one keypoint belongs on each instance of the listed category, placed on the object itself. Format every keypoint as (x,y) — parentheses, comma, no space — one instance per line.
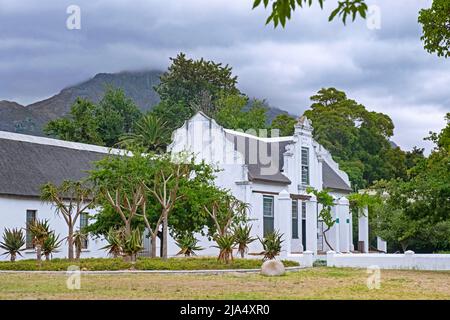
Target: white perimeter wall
(408,260)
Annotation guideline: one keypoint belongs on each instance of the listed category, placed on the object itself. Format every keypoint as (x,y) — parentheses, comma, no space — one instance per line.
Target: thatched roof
(26,162)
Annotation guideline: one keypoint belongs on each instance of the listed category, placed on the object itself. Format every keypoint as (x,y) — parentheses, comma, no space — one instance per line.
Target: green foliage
(115,239)
(357,139)
(285,123)
(225,243)
(100,124)
(13,241)
(271,245)
(133,244)
(115,116)
(40,230)
(51,245)
(283,9)
(188,245)
(435,23)
(80,125)
(232,113)
(416,211)
(95,264)
(242,238)
(149,134)
(79,237)
(187,79)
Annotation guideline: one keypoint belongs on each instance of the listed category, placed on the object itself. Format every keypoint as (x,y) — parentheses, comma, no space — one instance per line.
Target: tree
(357,138)
(327,202)
(79,126)
(119,181)
(235,112)
(165,185)
(115,115)
(100,124)
(51,245)
(436,28)
(187,82)
(187,79)
(149,133)
(282,9)
(71,199)
(285,123)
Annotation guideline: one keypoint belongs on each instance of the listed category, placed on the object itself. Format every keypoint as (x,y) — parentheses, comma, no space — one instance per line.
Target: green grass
(312,283)
(202,263)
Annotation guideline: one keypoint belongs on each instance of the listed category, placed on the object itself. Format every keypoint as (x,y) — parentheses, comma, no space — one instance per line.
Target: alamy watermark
(73,281)
(374,279)
(73,21)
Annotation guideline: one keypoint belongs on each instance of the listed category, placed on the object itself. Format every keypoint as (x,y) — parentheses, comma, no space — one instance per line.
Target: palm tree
(50,245)
(40,231)
(149,133)
(13,241)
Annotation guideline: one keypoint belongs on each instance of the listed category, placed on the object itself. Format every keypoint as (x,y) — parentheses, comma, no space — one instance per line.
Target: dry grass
(315,283)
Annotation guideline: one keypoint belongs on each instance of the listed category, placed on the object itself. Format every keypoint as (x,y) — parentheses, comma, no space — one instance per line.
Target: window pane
(303,210)
(294,219)
(305,166)
(83,224)
(268,222)
(31,216)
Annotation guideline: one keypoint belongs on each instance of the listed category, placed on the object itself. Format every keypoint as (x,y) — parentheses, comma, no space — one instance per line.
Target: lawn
(312,283)
(197,263)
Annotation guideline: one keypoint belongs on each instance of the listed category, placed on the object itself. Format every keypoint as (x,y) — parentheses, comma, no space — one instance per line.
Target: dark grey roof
(259,156)
(331,180)
(26,166)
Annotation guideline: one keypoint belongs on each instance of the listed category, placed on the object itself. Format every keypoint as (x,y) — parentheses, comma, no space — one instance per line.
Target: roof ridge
(58,143)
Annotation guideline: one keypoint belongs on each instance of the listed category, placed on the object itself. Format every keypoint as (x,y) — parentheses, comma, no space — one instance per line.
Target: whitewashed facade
(270,174)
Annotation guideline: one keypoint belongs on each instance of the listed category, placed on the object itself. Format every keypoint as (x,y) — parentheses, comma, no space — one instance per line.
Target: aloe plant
(271,245)
(40,231)
(115,239)
(225,243)
(50,245)
(188,245)
(13,241)
(243,238)
(133,244)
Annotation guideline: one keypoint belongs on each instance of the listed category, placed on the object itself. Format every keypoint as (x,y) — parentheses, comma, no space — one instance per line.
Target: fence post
(330,258)
(308,255)
(409,259)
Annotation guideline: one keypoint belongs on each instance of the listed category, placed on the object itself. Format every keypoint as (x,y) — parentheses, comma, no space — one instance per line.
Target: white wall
(408,260)
(13,215)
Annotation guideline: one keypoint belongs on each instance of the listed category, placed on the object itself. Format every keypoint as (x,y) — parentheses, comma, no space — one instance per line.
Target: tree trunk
(404,245)
(154,236)
(164,243)
(39,254)
(325,238)
(70,243)
(13,257)
(47,257)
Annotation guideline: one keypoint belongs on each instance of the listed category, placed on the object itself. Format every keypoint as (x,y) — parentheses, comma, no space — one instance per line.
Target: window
(303,210)
(268,215)
(305,166)
(84,224)
(304,224)
(31,217)
(294,219)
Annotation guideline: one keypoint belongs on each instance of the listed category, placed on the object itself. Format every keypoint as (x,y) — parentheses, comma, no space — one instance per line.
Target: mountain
(32,118)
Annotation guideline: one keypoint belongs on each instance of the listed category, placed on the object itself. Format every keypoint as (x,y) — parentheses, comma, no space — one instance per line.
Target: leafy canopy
(436,28)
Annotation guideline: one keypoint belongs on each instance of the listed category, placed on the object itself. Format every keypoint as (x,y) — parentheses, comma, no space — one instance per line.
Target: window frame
(304,166)
(29,245)
(268,220)
(84,218)
(295,220)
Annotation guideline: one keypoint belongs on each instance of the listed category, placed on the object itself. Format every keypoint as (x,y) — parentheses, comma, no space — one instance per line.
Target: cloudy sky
(385,69)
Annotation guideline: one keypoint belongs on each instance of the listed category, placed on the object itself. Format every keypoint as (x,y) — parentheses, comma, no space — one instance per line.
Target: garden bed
(109,264)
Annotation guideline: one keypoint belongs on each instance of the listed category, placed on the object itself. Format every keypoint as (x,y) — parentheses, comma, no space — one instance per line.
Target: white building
(271,174)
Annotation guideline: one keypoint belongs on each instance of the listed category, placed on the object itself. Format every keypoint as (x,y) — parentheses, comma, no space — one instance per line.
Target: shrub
(271,245)
(243,238)
(133,244)
(13,241)
(225,243)
(115,239)
(188,245)
(50,245)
